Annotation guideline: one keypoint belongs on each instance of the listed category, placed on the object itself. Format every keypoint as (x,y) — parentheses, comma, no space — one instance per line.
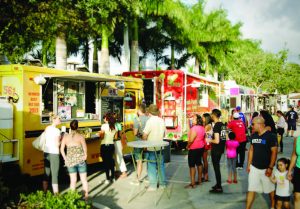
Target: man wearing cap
(155,131)
(291,118)
(238,128)
(242,116)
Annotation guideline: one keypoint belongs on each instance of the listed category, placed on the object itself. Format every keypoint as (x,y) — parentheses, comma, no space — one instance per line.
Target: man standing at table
(155,131)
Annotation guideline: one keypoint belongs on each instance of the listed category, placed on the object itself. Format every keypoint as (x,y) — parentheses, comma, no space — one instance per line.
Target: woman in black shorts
(196,142)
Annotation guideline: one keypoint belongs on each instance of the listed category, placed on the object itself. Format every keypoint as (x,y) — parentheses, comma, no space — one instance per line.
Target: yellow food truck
(29,93)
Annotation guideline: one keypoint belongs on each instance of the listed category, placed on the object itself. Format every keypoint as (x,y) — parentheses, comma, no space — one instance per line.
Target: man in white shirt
(155,131)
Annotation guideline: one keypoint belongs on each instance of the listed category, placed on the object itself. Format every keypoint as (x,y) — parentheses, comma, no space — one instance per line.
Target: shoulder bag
(39,142)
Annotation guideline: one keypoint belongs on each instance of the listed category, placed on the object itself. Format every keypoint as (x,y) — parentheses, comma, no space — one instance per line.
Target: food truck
(179,95)
(30,93)
(237,95)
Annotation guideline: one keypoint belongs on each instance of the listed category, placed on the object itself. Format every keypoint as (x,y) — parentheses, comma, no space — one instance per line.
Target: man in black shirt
(291,118)
(218,145)
(261,160)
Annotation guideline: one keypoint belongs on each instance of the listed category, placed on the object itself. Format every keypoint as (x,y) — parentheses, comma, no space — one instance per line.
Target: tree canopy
(155,26)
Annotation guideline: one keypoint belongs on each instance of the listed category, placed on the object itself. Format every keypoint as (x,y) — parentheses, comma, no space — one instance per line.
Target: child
(231,146)
(279,177)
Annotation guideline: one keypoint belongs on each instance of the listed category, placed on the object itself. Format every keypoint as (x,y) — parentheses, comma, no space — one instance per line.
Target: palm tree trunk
(126,50)
(197,66)
(207,67)
(172,56)
(61,51)
(86,52)
(45,47)
(95,57)
(216,74)
(134,56)
(104,65)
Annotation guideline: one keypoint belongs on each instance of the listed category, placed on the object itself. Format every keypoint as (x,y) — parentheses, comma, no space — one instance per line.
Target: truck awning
(100,77)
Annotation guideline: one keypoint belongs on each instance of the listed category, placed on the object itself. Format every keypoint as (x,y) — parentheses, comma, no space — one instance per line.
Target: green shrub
(39,199)
(4,190)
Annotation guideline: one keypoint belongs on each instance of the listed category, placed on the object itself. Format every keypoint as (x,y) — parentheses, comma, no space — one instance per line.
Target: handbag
(39,142)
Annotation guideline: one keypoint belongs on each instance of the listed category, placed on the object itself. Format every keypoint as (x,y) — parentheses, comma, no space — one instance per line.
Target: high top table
(157,146)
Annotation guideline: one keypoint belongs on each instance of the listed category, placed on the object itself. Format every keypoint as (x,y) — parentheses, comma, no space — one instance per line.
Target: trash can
(167,151)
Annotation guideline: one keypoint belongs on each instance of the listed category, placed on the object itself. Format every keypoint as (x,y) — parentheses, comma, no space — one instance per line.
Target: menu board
(105,106)
(170,107)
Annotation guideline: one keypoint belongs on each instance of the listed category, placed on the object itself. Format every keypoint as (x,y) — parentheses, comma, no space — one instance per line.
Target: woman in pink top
(231,146)
(196,142)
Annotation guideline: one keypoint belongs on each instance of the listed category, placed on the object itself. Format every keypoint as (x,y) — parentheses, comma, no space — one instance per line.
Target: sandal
(198,183)
(190,186)
(123,175)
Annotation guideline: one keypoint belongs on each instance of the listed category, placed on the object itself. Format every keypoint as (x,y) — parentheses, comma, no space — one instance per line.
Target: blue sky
(275,22)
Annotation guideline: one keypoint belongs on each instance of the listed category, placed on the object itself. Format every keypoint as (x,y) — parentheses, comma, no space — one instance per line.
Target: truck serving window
(69,99)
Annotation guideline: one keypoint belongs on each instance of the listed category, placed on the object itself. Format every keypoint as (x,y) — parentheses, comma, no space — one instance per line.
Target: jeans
(216,157)
(80,168)
(241,154)
(231,162)
(153,168)
(280,132)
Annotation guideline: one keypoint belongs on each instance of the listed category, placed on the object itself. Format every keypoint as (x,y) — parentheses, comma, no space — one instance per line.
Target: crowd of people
(264,136)
(208,136)
(72,147)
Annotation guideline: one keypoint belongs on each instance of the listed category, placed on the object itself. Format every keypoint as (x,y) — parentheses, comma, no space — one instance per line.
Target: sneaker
(146,181)
(106,181)
(151,189)
(135,182)
(216,190)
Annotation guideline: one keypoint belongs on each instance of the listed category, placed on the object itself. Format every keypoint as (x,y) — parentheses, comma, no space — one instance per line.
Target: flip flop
(198,183)
(190,186)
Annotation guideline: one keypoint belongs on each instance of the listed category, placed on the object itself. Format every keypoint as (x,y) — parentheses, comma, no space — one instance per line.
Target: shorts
(283,199)
(195,157)
(292,126)
(280,131)
(259,182)
(296,179)
(138,153)
(80,168)
(207,147)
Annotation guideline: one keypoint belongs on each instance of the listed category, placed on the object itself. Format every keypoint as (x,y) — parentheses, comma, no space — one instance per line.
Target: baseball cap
(236,115)
(238,108)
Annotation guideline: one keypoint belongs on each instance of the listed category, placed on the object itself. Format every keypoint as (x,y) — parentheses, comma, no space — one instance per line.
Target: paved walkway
(116,195)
